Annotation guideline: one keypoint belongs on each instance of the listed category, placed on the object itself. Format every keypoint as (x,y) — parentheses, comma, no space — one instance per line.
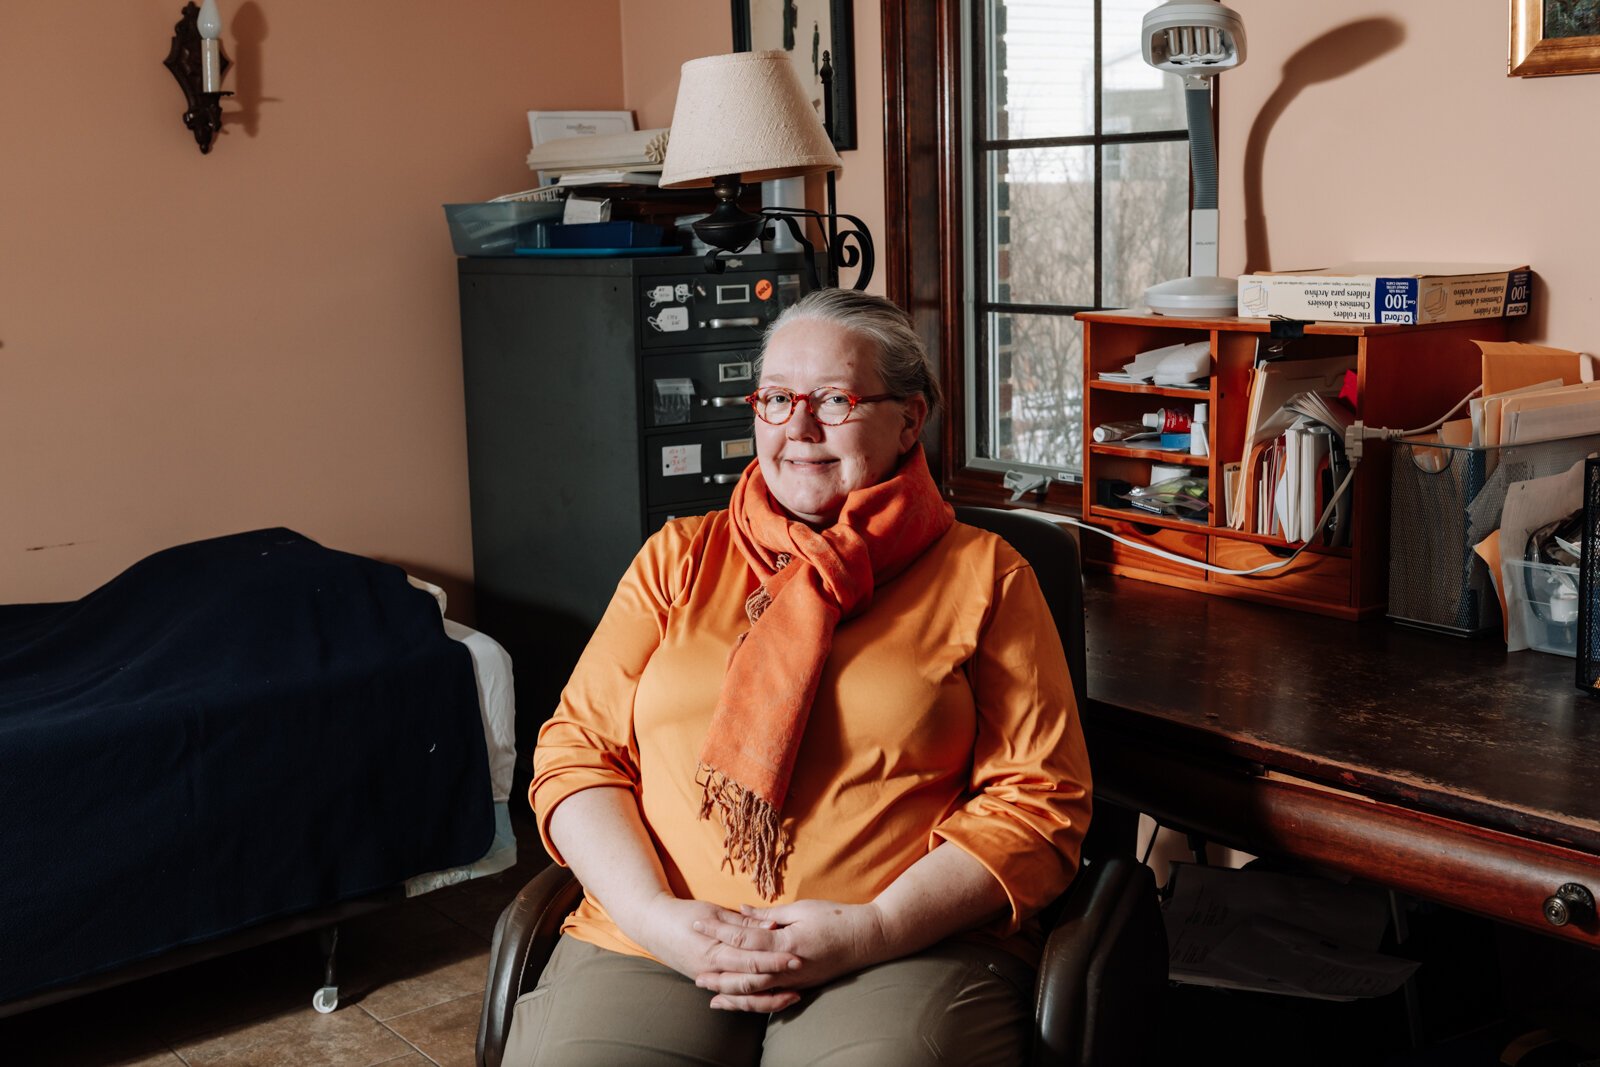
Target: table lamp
(744,118)
(1197,39)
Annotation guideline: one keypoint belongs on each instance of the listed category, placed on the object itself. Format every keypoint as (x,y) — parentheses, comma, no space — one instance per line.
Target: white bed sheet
(497,704)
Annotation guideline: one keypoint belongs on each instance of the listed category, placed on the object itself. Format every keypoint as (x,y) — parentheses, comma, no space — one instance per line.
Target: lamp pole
(827,125)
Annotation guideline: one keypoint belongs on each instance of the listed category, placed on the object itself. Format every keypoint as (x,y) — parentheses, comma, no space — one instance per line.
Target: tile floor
(411,981)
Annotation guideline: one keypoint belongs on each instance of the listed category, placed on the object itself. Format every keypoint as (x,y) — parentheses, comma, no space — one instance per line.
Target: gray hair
(902,359)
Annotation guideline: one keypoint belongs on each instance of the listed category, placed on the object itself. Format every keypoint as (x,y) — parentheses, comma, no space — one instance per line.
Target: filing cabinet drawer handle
(721,401)
(729,324)
(719,479)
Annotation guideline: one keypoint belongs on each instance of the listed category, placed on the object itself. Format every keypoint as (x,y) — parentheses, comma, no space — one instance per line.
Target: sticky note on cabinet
(680,459)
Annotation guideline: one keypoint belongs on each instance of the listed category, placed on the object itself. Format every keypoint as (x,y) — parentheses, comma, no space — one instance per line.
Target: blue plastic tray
(590,253)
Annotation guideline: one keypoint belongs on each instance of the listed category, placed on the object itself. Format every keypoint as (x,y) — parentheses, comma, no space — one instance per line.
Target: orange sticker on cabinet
(763,289)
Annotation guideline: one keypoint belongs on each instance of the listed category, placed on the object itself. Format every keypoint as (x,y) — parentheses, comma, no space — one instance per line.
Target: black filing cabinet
(603,396)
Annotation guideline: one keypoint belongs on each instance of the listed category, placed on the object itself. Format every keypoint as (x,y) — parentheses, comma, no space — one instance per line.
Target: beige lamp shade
(745,114)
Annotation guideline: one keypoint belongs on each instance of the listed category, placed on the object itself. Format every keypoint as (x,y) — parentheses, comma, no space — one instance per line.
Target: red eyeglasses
(829,406)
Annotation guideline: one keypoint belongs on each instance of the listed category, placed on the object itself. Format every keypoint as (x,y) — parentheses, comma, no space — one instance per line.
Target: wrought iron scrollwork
(203,116)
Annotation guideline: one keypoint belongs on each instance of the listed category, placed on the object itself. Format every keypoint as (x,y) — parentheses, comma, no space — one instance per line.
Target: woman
(820,762)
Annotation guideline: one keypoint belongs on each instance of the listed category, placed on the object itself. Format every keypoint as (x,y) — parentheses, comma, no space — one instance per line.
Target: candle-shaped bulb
(210,21)
(210,26)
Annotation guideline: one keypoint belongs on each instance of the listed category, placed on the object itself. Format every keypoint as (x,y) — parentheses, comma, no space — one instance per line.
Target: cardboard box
(1404,293)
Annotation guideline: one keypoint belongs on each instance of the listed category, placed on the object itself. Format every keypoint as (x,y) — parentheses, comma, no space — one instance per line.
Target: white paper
(1277,957)
(579,210)
(1179,364)
(1289,507)
(1475,405)
(1578,417)
(1278,933)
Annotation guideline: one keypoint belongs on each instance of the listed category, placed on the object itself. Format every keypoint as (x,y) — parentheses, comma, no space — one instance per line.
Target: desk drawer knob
(1573,903)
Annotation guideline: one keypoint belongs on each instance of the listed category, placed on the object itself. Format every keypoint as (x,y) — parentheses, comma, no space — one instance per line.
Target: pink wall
(193,345)
(658,36)
(1374,130)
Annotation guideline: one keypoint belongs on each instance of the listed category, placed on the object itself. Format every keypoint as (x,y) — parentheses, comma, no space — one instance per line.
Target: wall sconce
(197,61)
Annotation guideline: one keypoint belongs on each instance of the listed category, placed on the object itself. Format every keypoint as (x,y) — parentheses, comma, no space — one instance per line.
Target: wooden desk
(1435,765)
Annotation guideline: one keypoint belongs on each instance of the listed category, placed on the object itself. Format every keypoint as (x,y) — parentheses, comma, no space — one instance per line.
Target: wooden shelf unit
(1407,376)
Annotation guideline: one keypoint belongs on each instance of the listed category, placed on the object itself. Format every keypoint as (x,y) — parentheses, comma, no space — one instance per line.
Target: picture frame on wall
(806,29)
(1554,37)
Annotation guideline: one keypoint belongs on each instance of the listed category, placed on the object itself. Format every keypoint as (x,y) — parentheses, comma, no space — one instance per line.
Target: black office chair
(1104,969)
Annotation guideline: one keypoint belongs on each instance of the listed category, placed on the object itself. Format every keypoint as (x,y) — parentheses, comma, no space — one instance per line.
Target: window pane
(1136,97)
(1035,393)
(1146,225)
(1041,226)
(1040,68)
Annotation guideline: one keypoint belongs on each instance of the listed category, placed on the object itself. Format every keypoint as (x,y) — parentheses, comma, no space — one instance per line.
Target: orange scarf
(810,579)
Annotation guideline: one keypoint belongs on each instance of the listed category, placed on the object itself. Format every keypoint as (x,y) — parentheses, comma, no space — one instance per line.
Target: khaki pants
(955,1003)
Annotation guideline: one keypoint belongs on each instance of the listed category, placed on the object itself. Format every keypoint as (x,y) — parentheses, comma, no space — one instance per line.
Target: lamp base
(729,227)
(1194,296)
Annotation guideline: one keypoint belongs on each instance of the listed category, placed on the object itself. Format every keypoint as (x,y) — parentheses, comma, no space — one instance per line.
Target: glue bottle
(1198,445)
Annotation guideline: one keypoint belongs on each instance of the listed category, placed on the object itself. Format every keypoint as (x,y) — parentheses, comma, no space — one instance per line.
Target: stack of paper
(1534,393)
(1278,933)
(634,157)
(1182,364)
(1310,385)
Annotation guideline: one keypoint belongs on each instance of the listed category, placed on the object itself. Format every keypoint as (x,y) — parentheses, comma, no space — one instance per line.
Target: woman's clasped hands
(821,939)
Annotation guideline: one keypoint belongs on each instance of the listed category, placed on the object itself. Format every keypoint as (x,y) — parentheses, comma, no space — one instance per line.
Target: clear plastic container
(500,227)
(1549,605)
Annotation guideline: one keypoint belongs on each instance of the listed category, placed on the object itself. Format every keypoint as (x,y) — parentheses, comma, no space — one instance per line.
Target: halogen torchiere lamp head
(740,119)
(1197,39)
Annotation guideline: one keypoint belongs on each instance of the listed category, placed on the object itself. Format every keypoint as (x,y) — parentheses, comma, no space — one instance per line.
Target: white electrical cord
(1353,438)
(1212,567)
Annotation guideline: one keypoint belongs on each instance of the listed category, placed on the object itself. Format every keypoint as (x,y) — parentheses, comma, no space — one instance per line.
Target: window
(1076,186)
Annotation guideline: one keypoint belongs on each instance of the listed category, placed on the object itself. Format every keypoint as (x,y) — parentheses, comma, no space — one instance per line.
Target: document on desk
(1570,411)
(1278,933)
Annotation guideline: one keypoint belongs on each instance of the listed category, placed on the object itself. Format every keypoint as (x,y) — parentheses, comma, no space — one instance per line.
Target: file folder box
(1444,499)
(1397,293)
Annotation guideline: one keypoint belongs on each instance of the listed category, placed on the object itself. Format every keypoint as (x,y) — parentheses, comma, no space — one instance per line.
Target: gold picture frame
(1535,54)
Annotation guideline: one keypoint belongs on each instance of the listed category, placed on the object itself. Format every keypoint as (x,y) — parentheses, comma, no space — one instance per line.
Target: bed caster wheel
(325,999)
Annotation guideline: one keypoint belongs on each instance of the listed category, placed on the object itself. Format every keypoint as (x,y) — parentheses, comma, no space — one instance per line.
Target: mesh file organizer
(1589,583)
(1444,499)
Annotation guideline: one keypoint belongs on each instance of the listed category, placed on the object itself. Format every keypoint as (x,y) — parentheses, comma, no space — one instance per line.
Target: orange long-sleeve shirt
(945,712)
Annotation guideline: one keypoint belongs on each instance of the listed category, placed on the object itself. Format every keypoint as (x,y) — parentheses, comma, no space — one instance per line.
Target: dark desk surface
(1444,725)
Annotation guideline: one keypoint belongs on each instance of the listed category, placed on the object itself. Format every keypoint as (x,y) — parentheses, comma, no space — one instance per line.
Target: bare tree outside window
(1084,203)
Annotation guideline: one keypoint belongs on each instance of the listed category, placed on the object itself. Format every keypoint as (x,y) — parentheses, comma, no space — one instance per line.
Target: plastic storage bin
(498,229)
(1549,605)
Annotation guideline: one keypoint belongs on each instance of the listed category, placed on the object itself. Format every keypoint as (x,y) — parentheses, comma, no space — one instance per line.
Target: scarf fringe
(753,840)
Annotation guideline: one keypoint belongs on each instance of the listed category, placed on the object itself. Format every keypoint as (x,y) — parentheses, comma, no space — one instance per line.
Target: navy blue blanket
(229,731)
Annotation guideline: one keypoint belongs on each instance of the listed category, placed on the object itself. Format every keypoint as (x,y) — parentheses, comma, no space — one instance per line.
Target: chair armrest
(524,937)
(1104,969)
